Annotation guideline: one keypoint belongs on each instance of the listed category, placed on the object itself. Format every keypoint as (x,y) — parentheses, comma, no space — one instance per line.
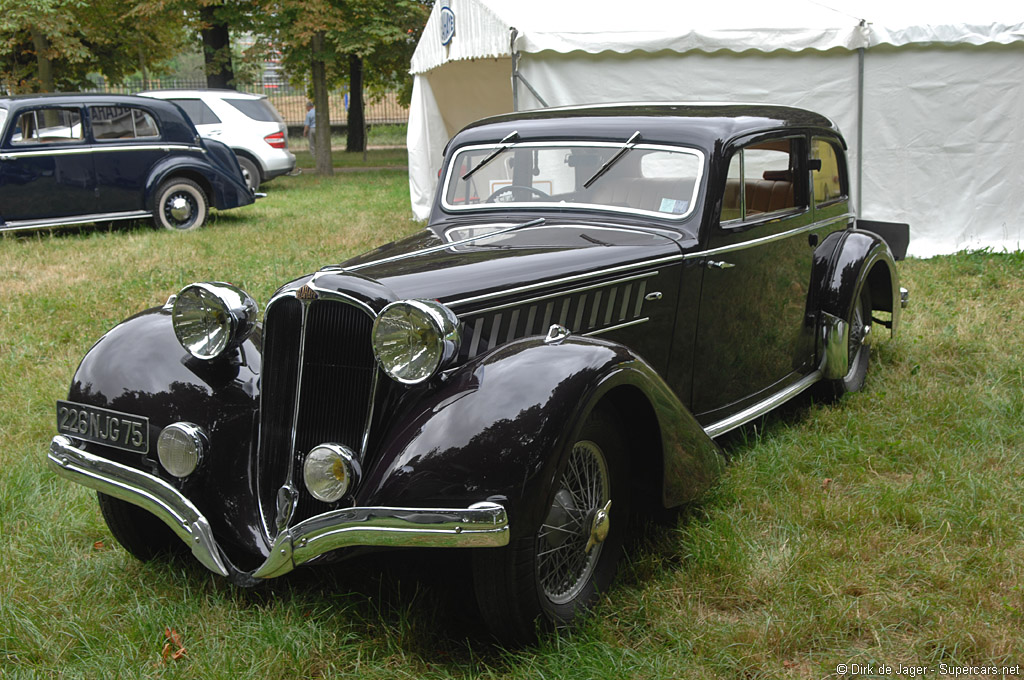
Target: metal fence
(289,101)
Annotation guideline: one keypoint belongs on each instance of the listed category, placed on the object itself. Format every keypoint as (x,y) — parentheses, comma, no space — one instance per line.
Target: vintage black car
(598,294)
(86,158)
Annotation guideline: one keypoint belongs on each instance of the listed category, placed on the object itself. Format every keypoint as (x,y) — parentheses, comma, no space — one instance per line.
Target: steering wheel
(512,189)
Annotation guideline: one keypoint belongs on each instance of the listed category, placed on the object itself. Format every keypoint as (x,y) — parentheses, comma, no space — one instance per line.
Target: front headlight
(412,339)
(330,471)
(210,317)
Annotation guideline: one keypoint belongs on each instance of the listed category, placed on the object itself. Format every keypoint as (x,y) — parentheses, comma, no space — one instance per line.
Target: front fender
(501,426)
(139,367)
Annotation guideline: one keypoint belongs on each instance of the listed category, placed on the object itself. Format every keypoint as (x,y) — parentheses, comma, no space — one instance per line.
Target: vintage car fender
(844,264)
(139,367)
(489,432)
(217,172)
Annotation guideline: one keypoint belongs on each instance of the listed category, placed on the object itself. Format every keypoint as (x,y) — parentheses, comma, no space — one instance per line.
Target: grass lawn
(886,529)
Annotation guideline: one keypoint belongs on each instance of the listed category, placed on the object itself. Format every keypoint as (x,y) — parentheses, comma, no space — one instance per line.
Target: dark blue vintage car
(84,158)
(599,293)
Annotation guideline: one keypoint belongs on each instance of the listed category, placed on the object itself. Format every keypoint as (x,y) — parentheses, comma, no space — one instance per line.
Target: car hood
(473,274)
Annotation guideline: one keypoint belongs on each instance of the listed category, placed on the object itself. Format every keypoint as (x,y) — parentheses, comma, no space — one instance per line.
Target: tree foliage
(51,45)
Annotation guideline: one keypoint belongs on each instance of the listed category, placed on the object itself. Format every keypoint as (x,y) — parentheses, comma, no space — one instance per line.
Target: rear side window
(55,125)
(122,122)
(257,109)
(827,175)
(198,111)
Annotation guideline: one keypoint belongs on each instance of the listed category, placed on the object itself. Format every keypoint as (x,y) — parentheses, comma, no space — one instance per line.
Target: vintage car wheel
(139,532)
(858,349)
(250,171)
(513,189)
(180,205)
(548,578)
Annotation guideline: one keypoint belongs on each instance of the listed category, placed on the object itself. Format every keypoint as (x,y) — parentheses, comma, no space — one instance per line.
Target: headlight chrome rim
(211,317)
(438,335)
(181,448)
(330,471)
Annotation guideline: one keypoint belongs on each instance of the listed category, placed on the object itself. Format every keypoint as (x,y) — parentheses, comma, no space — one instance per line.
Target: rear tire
(858,348)
(250,171)
(551,576)
(138,531)
(180,205)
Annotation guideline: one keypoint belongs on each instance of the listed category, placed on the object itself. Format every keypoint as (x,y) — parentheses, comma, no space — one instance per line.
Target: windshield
(650,179)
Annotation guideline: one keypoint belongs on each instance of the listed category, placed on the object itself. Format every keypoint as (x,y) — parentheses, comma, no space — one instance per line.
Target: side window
(827,175)
(198,111)
(121,122)
(48,126)
(763,179)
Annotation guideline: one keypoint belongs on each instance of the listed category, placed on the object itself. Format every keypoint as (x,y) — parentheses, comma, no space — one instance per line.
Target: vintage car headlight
(212,316)
(330,471)
(180,448)
(412,339)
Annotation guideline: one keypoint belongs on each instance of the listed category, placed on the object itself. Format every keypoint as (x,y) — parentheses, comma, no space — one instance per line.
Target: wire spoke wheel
(566,553)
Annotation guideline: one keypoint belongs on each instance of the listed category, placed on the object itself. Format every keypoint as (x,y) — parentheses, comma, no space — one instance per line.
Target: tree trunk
(44,65)
(321,104)
(356,139)
(216,50)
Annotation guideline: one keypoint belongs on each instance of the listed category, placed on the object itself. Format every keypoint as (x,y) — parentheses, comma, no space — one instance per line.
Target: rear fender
(844,263)
(500,428)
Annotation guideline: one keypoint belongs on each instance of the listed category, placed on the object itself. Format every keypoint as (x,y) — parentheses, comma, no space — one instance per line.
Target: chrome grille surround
(318,385)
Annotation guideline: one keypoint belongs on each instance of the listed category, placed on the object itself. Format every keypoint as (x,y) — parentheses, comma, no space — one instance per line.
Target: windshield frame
(452,175)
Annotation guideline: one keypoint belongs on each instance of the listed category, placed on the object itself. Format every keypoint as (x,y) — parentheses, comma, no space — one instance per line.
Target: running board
(762,407)
(14,225)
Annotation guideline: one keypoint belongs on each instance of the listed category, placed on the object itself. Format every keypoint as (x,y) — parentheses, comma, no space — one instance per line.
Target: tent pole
(860,131)
(515,71)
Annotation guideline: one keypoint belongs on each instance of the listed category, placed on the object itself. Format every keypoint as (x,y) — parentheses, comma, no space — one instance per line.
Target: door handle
(714,264)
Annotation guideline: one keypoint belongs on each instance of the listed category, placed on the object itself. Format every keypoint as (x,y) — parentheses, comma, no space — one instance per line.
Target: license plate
(103,426)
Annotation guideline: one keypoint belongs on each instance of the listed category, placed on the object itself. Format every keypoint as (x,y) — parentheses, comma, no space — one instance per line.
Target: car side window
(121,122)
(826,173)
(198,111)
(50,125)
(762,180)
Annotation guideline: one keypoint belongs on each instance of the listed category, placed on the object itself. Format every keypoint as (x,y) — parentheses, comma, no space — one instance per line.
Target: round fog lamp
(330,471)
(210,317)
(180,448)
(412,339)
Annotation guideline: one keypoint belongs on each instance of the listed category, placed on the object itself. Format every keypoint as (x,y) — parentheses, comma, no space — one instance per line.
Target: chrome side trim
(14,155)
(609,329)
(572,291)
(567,279)
(144,490)
(482,524)
(767,239)
(12,225)
(762,407)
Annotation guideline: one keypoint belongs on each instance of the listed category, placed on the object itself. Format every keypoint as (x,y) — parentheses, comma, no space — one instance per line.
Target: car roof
(199,94)
(702,124)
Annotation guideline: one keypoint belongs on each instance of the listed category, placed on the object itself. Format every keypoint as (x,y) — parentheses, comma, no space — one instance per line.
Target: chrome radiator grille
(328,374)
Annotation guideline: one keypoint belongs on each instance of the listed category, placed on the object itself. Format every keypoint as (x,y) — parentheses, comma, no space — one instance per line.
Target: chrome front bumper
(480,525)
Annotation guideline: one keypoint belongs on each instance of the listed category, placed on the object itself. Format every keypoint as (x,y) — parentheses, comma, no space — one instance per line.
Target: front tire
(180,205)
(551,576)
(139,532)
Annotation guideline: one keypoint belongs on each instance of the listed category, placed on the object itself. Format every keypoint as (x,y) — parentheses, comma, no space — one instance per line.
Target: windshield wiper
(503,145)
(630,143)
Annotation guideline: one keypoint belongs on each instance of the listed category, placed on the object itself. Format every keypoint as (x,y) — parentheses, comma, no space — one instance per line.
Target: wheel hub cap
(179,208)
(599,527)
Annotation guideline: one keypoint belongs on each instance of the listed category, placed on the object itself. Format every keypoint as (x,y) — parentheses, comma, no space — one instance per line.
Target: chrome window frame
(451,175)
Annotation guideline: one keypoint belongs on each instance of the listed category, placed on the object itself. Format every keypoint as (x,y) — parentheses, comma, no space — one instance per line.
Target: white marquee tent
(930,98)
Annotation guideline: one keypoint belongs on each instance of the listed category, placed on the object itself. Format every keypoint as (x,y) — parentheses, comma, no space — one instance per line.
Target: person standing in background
(309,129)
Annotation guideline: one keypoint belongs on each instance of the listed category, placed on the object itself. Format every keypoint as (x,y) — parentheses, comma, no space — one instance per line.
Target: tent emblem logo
(447,25)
